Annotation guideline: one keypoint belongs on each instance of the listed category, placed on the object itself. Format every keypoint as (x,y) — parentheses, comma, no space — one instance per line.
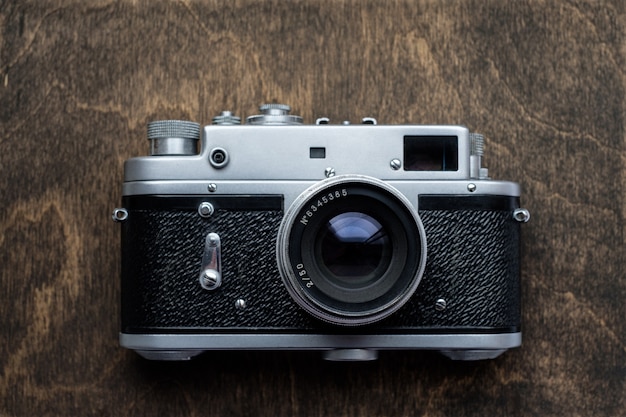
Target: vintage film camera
(343,238)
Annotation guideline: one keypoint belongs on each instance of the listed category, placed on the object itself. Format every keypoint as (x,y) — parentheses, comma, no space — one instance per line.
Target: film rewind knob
(173,137)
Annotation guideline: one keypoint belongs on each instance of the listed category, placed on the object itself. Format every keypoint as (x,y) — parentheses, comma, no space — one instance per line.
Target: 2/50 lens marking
(303,275)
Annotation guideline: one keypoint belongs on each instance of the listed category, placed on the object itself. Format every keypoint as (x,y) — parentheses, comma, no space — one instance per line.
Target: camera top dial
(274,114)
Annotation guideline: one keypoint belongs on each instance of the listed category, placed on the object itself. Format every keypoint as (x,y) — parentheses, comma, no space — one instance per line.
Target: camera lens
(352,247)
(351,250)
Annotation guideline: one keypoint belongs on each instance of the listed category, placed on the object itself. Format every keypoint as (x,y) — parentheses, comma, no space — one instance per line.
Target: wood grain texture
(544,81)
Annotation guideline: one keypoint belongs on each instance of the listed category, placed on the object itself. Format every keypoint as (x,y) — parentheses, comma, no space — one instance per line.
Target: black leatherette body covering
(472,263)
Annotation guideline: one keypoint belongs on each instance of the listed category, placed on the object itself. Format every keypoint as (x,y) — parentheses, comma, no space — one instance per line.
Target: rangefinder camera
(344,238)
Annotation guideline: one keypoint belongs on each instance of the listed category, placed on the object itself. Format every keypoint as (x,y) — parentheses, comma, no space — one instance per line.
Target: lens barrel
(351,250)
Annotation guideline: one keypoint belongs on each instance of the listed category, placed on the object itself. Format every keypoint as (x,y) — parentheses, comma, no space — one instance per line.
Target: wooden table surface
(544,81)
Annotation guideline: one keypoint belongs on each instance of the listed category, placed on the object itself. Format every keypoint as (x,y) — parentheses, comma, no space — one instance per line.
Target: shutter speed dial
(274,114)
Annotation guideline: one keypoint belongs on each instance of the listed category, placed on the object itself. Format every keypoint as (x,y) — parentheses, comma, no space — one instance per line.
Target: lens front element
(351,250)
(352,247)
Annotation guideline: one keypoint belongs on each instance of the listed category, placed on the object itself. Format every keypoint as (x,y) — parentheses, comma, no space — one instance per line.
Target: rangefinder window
(431,153)
(317,153)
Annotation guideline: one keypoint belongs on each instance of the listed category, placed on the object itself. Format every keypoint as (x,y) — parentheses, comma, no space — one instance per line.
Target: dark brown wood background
(544,81)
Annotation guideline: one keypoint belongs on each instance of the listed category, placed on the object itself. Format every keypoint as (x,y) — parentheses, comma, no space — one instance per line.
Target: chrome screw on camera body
(521,215)
(210,280)
(395,164)
(120,214)
(206,209)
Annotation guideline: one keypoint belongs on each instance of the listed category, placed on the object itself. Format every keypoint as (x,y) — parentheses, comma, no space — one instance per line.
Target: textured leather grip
(472,263)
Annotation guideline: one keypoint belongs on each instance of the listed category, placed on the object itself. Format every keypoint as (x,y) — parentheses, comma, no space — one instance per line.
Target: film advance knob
(173,137)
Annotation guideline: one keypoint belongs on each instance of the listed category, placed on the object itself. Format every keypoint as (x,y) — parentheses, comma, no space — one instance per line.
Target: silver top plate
(284,153)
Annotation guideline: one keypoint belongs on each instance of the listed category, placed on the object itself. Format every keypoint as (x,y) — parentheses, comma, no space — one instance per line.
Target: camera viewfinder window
(317,153)
(431,153)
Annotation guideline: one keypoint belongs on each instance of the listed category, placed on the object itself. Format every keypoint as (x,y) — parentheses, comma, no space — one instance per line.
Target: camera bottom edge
(464,347)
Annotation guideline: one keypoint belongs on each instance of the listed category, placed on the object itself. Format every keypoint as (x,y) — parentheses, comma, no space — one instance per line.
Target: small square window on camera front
(317,153)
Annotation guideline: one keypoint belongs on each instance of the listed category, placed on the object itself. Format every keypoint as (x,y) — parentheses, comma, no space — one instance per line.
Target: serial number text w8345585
(321,202)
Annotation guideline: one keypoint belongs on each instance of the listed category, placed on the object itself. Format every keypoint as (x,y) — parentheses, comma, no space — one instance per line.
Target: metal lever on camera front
(211,271)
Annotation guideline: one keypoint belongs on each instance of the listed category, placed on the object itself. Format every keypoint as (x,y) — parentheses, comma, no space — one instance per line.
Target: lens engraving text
(321,202)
